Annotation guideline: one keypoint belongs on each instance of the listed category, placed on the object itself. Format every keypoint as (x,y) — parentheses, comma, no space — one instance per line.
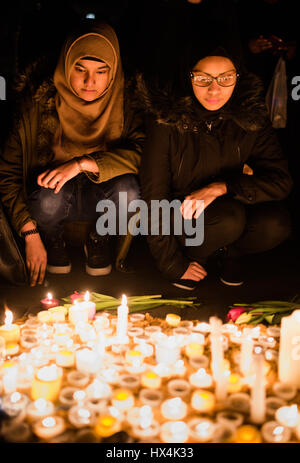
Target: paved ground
(271,275)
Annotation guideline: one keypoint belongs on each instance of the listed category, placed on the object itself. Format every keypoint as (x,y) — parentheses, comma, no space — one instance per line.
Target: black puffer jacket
(188,148)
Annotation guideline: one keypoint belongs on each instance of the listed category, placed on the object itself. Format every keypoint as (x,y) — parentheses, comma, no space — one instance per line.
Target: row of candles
(50,352)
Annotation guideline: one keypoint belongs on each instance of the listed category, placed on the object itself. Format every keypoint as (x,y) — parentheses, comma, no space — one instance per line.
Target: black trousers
(243,229)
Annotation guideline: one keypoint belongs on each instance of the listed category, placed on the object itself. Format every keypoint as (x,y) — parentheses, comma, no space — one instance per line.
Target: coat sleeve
(12,182)
(124,155)
(271,180)
(155,178)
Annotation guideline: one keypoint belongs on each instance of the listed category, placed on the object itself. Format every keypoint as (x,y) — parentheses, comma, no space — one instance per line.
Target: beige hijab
(88,126)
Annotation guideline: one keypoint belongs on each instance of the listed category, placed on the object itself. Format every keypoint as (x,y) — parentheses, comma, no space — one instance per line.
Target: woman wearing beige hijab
(76,142)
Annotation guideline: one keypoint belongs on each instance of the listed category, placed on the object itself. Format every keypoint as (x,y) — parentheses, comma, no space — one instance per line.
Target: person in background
(76,141)
(215,145)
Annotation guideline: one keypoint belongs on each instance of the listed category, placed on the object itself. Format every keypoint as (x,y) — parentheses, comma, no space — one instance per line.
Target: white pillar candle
(288,416)
(167,351)
(87,360)
(122,321)
(217,358)
(289,351)
(258,393)
(246,353)
(78,312)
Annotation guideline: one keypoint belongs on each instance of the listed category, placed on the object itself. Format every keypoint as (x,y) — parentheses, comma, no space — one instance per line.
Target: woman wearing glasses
(214,150)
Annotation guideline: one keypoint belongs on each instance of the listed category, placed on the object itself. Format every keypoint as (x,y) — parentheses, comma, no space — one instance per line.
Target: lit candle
(231,418)
(38,409)
(78,378)
(289,352)
(194,349)
(86,332)
(199,362)
(78,312)
(65,358)
(146,427)
(173,319)
(151,380)
(201,378)
(122,321)
(173,432)
(217,357)
(134,358)
(44,316)
(9,374)
(49,302)
(130,381)
(258,393)
(70,396)
(246,353)
(14,405)
(122,399)
(150,397)
(167,350)
(267,341)
(202,328)
(174,409)
(234,383)
(288,416)
(12,348)
(9,331)
(144,348)
(58,314)
(107,425)
(274,433)
(201,429)
(240,402)
(179,388)
(46,383)
(247,434)
(203,401)
(98,390)
(49,427)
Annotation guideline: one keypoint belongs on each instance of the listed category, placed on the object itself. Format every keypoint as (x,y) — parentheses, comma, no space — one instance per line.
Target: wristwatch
(33,231)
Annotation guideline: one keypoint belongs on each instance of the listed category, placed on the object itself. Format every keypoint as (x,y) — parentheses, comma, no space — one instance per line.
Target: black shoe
(231,274)
(98,256)
(57,258)
(184,283)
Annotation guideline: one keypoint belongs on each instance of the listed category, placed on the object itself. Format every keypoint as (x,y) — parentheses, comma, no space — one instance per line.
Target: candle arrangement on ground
(80,371)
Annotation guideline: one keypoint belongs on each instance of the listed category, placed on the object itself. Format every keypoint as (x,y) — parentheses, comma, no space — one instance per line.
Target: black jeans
(77,200)
(243,229)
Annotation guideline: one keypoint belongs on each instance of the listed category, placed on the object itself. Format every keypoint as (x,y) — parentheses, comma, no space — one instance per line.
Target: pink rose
(234,313)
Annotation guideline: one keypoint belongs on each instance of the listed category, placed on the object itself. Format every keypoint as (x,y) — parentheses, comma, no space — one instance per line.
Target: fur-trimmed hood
(247,107)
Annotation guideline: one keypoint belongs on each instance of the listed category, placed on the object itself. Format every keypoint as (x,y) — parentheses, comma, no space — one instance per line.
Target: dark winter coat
(188,148)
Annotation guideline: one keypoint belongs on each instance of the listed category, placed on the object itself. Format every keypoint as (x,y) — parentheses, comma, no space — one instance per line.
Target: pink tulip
(234,313)
(76,295)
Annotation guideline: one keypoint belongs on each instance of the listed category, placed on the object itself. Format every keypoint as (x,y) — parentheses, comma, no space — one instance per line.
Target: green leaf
(269,318)
(243,318)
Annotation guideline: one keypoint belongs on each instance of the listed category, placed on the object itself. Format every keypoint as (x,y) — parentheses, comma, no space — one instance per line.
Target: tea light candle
(179,388)
(229,328)
(174,409)
(151,380)
(122,399)
(78,379)
(29,341)
(231,418)
(46,383)
(267,341)
(49,427)
(65,358)
(145,349)
(201,379)
(258,393)
(17,433)
(134,358)
(274,433)
(32,322)
(202,328)
(38,409)
(152,329)
(272,405)
(199,362)
(288,416)
(135,331)
(70,396)
(167,351)
(174,432)
(234,383)
(162,370)
(284,391)
(14,404)
(173,319)
(86,332)
(194,349)
(273,331)
(101,322)
(130,381)
(107,425)
(239,402)
(9,374)
(146,426)
(49,302)
(203,401)
(224,433)
(247,434)
(109,375)
(9,331)
(99,390)
(12,349)
(81,416)
(201,430)
(78,312)
(44,316)
(98,405)
(179,368)
(150,397)
(122,321)
(58,314)
(87,360)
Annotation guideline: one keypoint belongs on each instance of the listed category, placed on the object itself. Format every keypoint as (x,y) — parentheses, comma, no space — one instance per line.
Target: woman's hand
(56,178)
(36,258)
(259,45)
(195,203)
(194,272)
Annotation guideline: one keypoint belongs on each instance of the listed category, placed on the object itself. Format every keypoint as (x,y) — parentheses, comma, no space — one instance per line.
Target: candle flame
(49,296)
(124,300)
(87,296)
(8,317)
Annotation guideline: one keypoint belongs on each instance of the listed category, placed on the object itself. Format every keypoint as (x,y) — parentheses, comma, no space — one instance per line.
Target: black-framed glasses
(224,80)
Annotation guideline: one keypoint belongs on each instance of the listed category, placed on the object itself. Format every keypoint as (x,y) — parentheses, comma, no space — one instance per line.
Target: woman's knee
(44,203)
(273,224)
(127,184)
(229,218)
